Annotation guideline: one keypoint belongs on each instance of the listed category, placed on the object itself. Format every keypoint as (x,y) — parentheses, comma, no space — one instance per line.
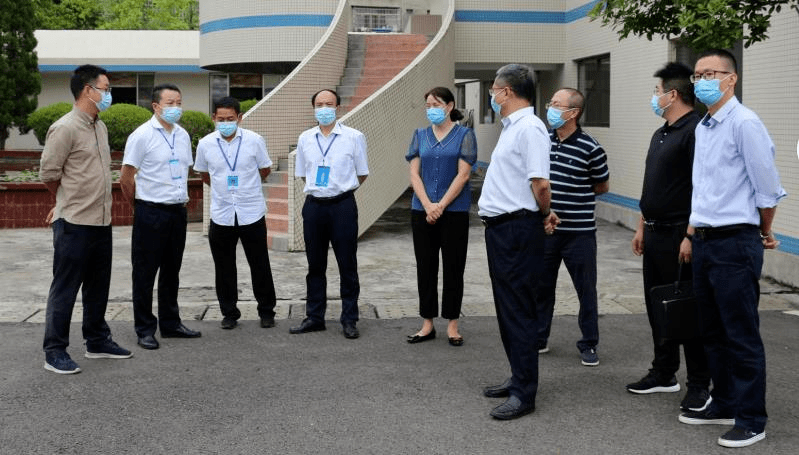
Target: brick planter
(27,204)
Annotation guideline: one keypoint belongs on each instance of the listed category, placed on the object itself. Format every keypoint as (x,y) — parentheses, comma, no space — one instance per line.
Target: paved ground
(252,390)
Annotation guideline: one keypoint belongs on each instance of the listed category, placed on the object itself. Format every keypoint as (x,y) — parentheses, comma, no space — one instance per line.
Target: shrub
(121,120)
(41,119)
(197,124)
(246,105)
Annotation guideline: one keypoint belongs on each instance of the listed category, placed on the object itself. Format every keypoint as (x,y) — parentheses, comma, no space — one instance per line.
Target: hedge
(246,105)
(197,124)
(121,120)
(41,119)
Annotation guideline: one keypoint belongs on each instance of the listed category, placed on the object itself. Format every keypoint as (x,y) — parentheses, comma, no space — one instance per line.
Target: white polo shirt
(236,189)
(521,154)
(345,155)
(162,160)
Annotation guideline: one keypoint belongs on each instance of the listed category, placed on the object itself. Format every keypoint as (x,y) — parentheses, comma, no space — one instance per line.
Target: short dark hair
(724,55)
(338,98)
(576,100)
(160,88)
(676,76)
(228,102)
(520,79)
(84,75)
(444,94)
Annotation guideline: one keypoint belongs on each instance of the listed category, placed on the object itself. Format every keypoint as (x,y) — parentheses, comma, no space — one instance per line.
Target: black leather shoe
(498,391)
(512,408)
(416,338)
(350,331)
(308,326)
(228,324)
(181,332)
(148,342)
(267,323)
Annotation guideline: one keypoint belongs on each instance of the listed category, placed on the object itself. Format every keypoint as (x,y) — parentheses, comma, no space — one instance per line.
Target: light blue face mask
(708,92)
(436,115)
(325,115)
(105,100)
(554,117)
(227,129)
(496,106)
(171,114)
(659,111)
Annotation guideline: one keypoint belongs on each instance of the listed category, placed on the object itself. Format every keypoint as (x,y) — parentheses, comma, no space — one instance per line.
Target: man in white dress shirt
(331,159)
(233,161)
(155,171)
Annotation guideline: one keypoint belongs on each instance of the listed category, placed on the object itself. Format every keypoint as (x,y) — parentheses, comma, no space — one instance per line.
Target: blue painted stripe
(128,68)
(275,20)
(525,17)
(787,244)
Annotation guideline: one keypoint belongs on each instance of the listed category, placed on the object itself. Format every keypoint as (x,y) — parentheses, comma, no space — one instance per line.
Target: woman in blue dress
(441,157)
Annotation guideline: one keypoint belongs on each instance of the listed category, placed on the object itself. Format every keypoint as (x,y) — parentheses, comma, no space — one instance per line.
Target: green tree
(67,14)
(700,24)
(20,80)
(151,15)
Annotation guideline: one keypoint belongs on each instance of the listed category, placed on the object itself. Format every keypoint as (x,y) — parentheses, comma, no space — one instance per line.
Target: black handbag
(676,312)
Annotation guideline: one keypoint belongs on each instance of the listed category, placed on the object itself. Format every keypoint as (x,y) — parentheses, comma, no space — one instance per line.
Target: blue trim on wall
(128,68)
(273,20)
(525,17)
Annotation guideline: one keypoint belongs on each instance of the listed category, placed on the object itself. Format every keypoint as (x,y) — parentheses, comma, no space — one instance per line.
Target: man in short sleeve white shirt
(233,161)
(331,158)
(155,171)
(515,208)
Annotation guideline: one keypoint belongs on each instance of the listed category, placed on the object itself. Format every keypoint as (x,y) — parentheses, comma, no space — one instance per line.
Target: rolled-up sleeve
(758,153)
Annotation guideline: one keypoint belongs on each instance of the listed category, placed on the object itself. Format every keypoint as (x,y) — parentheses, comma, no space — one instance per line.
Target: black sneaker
(740,437)
(267,323)
(706,417)
(108,350)
(696,399)
(228,323)
(60,362)
(589,358)
(652,384)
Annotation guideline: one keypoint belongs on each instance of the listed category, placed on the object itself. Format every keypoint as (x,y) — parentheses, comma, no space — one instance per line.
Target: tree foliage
(700,24)
(67,14)
(20,81)
(117,14)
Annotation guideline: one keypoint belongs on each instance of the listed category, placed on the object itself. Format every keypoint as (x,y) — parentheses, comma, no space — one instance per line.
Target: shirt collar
(680,121)
(157,125)
(514,117)
(572,137)
(235,135)
(83,116)
(722,113)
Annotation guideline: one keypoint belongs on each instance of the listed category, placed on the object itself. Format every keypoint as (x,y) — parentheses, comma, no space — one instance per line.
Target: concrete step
(276,191)
(277,206)
(277,223)
(278,177)
(277,241)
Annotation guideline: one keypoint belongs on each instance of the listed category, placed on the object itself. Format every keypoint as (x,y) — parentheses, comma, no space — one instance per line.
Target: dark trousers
(726,273)
(81,260)
(223,241)
(660,266)
(159,236)
(331,223)
(450,235)
(514,249)
(578,252)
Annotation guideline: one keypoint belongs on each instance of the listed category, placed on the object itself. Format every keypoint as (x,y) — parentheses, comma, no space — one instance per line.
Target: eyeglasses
(563,108)
(658,92)
(107,90)
(708,75)
(494,91)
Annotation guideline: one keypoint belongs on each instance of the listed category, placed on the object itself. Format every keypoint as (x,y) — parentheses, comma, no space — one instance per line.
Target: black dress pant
(661,253)
(514,249)
(450,235)
(223,241)
(331,222)
(159,237)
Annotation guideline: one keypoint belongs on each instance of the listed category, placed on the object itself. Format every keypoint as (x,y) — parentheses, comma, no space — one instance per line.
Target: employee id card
(232,182)
(175,169)
(322,176)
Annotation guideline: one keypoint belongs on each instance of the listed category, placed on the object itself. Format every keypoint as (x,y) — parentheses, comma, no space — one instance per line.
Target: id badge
(232,182)
(175,169)
(322,176)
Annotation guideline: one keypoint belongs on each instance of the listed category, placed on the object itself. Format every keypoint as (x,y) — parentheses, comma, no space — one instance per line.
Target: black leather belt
(499,219)
(332,199)
(161,206)
(654,225)
(721,231)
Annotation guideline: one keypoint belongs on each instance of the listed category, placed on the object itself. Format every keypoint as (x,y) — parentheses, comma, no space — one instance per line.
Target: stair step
(277,206)
(276,191)
(278,177)
(277,241)
(277,223)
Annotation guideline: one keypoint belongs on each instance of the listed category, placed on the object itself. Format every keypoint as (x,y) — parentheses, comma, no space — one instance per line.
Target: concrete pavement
(253,390)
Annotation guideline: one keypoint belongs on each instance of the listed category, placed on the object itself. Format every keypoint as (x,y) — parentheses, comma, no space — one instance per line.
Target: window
(594,82)
(132,88)
(369,19)
(245,86)
(218,87)
(487,114)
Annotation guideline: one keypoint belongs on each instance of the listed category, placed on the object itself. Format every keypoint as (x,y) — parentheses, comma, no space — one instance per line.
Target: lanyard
(224,155)
(324,154)
(172,145)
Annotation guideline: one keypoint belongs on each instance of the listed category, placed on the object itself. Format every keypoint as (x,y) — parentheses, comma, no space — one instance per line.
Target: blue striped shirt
(575,166)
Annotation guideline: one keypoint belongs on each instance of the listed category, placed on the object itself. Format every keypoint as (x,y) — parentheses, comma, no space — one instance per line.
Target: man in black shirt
(661,235)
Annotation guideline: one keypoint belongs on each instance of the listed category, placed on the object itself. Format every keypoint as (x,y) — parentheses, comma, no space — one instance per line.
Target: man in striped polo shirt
(578,172)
